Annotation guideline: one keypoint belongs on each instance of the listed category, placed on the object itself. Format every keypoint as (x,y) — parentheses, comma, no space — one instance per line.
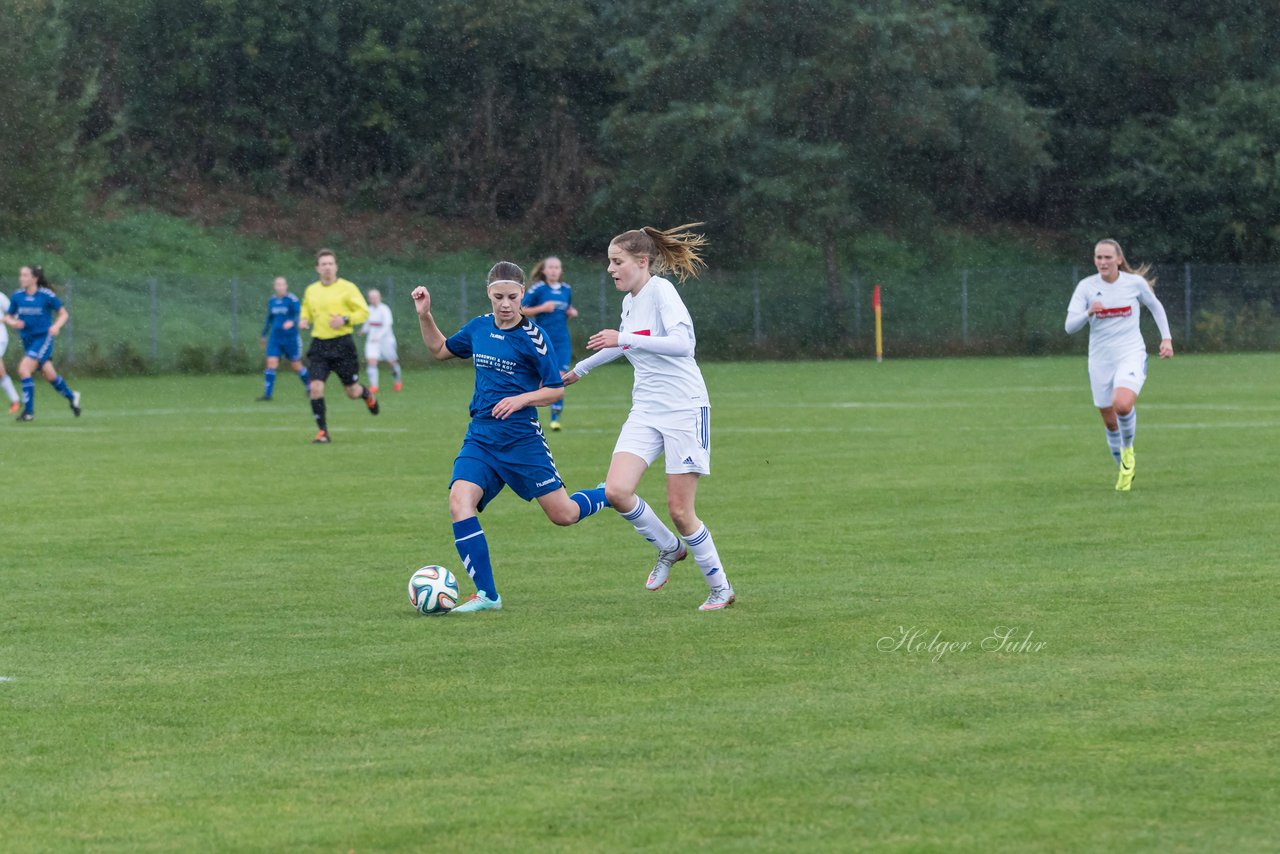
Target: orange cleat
(14,407)
(322,438)
(373,389)
(399,386)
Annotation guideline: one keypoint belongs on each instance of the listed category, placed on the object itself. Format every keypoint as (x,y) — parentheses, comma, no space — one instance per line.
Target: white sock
(1128,427)
(708,559)
(1113,442)
(395,371)
(373,376)
(649,526)
(7,384)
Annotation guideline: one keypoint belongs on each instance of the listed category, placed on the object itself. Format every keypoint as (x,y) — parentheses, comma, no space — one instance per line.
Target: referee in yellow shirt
(331,308)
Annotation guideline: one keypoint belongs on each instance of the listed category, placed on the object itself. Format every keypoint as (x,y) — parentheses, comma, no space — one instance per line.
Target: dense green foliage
(804,120)
(211,652)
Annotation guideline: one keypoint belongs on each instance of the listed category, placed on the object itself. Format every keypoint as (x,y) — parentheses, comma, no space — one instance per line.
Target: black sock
(364,394)
(317,408)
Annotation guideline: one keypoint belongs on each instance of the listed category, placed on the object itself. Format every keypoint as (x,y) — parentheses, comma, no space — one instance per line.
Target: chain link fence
(165,323)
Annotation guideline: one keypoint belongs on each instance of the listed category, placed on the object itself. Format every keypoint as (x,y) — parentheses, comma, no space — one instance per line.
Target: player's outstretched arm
(431,334)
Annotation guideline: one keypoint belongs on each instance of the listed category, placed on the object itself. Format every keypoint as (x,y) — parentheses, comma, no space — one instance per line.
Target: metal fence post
(604,302)
(235,312)
(964,307)
(70,327)
(757,328)
(856,282)
(155,319)
(1186,304)
(462,299)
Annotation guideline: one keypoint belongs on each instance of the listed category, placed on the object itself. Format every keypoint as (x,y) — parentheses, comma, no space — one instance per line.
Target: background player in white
(6,381)
(670,411)
(380,345)
(1109,303)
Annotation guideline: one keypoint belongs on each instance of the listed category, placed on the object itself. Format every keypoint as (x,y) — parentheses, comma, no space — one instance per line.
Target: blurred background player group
(38,315)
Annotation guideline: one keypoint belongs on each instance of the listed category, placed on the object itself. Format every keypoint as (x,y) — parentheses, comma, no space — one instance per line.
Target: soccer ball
(433,590)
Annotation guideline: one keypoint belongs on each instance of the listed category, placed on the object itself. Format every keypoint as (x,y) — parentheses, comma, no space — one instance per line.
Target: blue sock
(268,382)
(589,501)
(473,548)
(1128,427)
(60,386)
(29,394)
(556,409)
(1113,442)
(306,379)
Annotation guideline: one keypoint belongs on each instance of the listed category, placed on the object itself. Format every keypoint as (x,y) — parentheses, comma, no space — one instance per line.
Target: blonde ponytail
(675,250)
(1142,271)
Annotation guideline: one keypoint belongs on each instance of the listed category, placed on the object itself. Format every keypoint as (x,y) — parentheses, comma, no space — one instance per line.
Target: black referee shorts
(333,355)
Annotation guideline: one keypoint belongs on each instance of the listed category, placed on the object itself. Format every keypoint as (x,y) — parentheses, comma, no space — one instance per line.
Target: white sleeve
(601,357)
(1077,310)
(1153,304)
(677,343)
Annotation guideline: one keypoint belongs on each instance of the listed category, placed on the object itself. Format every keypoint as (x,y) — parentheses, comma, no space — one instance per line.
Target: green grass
(210,648)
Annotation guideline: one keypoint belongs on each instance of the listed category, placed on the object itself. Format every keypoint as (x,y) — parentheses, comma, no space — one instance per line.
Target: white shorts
(4,338)
(1126,372)
(684,437)
(383,350)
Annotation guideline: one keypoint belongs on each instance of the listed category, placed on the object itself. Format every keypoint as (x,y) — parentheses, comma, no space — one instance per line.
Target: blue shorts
(524,464)
(288,346)
(40,349)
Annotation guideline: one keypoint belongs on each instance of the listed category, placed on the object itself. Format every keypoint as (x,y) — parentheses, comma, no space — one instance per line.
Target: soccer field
(202,651)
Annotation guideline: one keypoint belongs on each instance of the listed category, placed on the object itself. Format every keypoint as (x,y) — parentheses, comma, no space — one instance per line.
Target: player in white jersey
(1109,303)
(670,411)
(380,345)
(6,381)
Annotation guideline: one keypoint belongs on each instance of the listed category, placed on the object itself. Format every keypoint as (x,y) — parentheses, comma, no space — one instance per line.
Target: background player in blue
(36,311)
(550,302)
(280,336)
(504,446)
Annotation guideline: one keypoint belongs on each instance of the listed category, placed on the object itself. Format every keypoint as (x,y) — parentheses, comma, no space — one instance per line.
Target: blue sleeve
(55,304)
(295,310)
(568,296)
(12,309)
(548,366)
(459,343)
(266,326)
(532,298)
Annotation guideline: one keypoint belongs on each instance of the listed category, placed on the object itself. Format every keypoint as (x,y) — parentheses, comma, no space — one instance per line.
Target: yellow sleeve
(307,314)
(357,308)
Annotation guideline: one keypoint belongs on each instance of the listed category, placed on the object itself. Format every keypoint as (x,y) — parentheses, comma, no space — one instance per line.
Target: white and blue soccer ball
(433,590)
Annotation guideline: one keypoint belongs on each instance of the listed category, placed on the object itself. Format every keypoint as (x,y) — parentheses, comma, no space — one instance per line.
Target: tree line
(772,120)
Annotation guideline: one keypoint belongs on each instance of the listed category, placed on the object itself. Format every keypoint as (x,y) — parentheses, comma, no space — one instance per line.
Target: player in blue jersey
(516,372)
(38,314)
(550,302)
(280,336)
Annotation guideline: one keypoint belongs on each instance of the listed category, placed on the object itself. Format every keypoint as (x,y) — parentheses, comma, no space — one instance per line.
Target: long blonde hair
(1142,271)
(536,275)
(675,250)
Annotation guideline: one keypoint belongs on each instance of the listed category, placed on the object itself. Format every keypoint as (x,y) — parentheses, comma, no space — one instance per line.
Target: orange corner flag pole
(875,304)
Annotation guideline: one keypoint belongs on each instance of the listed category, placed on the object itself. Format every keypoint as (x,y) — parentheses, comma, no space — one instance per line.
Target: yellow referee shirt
(320,302)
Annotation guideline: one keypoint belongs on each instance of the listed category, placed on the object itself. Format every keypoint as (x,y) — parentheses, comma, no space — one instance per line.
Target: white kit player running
(6,381)
(1110,303)
(670,410)
(380,345)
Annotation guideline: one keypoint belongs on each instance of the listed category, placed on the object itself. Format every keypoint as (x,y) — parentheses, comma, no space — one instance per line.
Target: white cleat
(662,569)
(720,597)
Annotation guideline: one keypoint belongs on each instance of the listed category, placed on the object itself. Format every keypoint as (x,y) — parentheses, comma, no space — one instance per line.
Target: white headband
(504,282)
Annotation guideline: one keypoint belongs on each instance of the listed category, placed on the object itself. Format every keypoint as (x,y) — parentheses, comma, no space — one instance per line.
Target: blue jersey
(36,311)
(555,323)
(279,311)
(508,362)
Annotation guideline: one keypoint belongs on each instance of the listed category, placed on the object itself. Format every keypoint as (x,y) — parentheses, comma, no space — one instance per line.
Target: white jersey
(662,383)
(4,330)
(378,326)
(1114,332)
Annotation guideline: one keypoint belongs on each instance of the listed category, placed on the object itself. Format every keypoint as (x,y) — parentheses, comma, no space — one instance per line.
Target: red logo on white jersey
(1122,311)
